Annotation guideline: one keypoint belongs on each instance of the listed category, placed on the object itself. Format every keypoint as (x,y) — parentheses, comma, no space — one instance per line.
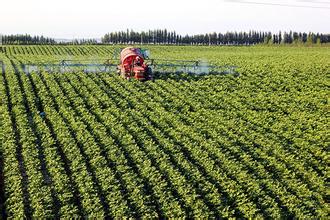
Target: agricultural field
(251,145)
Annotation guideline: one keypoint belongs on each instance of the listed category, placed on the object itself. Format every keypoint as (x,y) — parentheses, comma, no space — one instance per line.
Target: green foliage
(95,145)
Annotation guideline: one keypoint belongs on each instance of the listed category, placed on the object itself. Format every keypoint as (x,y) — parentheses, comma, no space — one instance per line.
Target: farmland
(95,145)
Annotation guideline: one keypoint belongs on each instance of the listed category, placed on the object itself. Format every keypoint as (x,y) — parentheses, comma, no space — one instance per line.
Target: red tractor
(132,64)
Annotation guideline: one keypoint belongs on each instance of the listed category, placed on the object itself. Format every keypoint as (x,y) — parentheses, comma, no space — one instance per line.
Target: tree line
(230,38)
(165,37)
(25,39)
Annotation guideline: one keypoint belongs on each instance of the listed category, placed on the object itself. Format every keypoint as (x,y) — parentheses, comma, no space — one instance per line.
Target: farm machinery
(134,64)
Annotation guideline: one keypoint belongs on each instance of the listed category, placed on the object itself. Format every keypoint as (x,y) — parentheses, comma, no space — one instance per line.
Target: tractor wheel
(149,73)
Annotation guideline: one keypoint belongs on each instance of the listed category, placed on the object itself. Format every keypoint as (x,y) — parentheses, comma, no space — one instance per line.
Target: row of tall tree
(162,36)
(229,38)
(25,39)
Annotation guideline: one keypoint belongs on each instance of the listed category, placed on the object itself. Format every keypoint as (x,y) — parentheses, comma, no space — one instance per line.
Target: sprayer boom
(133,63)
(189,66)
(62,66)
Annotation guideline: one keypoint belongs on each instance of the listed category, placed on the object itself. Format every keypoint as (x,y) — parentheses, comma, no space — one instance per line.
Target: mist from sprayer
(91,65)
(203,67)
(200,68)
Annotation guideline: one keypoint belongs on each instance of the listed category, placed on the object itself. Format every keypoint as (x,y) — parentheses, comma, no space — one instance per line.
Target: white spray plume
(203,67)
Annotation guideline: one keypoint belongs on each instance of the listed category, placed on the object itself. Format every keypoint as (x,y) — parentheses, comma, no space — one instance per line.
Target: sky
(93,18)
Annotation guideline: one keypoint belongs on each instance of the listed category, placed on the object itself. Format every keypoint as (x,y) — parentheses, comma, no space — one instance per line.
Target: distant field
(93,145)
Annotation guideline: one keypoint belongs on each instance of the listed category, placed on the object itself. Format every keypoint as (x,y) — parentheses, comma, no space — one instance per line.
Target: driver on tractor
(138,61)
